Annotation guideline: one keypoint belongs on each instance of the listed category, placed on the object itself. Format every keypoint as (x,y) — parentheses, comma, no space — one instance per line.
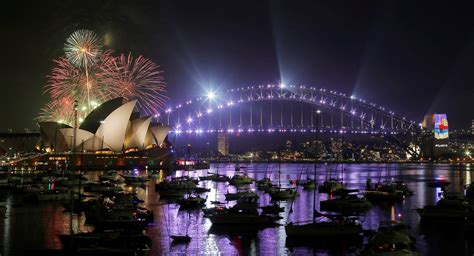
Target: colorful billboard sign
(441,126)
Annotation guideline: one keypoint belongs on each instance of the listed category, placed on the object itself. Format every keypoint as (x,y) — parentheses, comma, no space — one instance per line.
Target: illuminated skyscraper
(472,126)
(222,143)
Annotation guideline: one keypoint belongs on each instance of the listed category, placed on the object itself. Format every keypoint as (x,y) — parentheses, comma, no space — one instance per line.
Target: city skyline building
(472,126)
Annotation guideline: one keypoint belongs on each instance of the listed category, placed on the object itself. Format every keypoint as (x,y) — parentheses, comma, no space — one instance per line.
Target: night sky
(410,57)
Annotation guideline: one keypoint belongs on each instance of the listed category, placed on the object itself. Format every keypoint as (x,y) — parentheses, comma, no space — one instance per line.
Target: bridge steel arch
(198,115)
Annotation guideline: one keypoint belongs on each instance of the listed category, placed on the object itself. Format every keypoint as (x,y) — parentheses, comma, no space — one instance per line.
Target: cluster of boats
(120,218)
(339,216)
(116,217)
(340,221)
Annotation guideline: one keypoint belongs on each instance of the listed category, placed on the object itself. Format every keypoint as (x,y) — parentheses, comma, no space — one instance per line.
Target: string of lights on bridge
(213,97)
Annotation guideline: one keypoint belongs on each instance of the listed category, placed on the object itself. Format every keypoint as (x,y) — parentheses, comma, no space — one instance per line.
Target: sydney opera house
(111,136)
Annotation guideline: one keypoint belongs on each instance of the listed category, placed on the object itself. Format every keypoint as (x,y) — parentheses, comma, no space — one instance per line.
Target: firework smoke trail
(136,78)
(83,48)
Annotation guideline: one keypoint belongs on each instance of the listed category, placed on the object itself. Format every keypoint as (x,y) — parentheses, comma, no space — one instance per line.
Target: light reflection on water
(30,226)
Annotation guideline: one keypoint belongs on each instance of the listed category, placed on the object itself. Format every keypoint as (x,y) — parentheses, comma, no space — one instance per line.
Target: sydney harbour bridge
(287,109)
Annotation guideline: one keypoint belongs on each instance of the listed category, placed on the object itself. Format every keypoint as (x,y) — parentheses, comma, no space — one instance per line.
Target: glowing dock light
(189,120)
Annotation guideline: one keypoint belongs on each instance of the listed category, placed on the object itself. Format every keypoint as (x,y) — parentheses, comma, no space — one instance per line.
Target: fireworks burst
(90,76)
(136,78)
(59,111)
(83,48)
(68,81)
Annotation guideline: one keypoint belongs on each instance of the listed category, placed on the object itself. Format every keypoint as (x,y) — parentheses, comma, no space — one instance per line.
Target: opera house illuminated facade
(112,135)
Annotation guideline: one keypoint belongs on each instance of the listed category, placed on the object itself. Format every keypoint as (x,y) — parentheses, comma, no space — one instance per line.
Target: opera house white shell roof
(107,127)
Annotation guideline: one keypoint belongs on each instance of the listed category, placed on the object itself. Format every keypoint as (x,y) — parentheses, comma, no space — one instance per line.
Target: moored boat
(331,186)
(383,196)
(283,194)
(272,209)
(241,217)
(264,183)
(192,202)
(241,179)
(331,227)
(240,195)
(215,177)
(347,203)
(394,240)
(307,184)
(446,210)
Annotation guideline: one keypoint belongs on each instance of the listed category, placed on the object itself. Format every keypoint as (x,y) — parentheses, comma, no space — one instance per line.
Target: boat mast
(279,170)
(342,158)
(73,168)
(315,161)
(217,171)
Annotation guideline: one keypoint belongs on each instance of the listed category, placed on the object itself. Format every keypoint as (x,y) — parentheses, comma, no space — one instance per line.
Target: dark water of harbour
(25,226)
